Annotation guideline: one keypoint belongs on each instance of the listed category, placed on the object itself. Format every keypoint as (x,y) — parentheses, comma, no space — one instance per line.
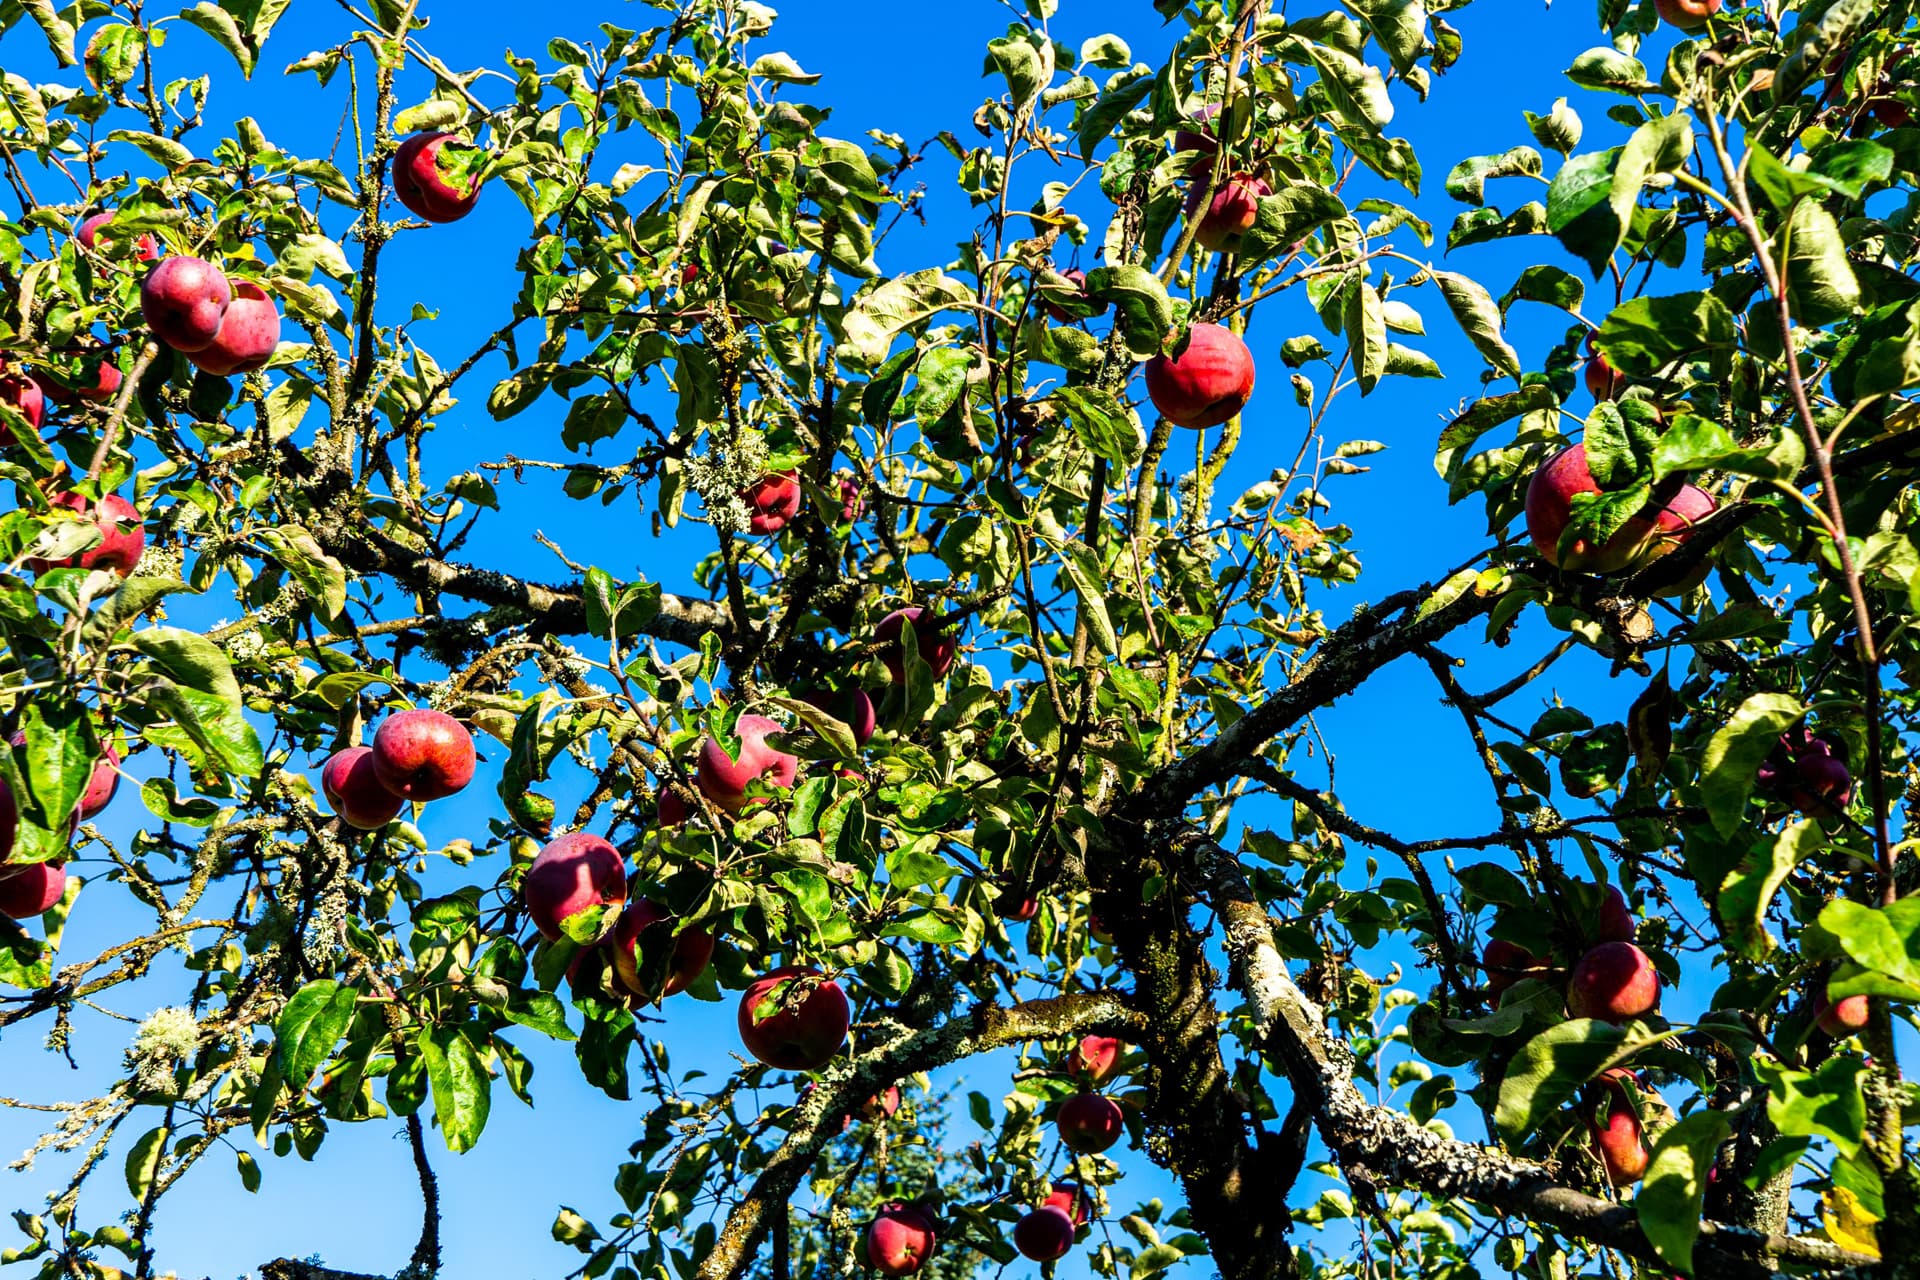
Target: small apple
(1094,1059)
(423,755)
(900,1240)
(99,380)
(852,505)
(353,789)
(692,949)
(1614,981)
(122,535)
(1198,139)
(571,884)
(1059,314)
(145,247)
(1809,771)
(852,707)
(425,187)
(26,892)
(1841,1018)
(1549,504)
(724,780)
(184,300)
(882,1105)
(249,334)
(937,645)
(794,1019)
(1688,15)
(1506,963)
(672,810)
(772,501)
(1045,1234)
(1071,1199)
(1230,214)
(1089,1123)
(101,784)
(25,395)
(1206,382)
(1618,1142)
(1013,905)
(1604,382)
(1616,923)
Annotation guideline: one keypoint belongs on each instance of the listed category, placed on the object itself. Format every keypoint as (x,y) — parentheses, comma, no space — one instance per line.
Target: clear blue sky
(911,69)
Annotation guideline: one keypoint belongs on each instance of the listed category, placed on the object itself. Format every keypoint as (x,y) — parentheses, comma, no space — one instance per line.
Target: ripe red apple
(1550,497)
(353,789)
(248,335)
(1090,1123)
(1231,212)
(122,535)
(25,395)
(692,948)
(1071,1199)
(101,784)
(1688,15)
(1809,771)
(1198,139)
(184,300)
(1841,1018)
(882,1105)
(851,707)
(1616,922)
(99,380)
(900,1240)
(28,891)
(1614,981)
(805,1024)
(1209,380)
(145,248)
(723,779)
(1506,963)
(428,192)
(937,645)
(1045,1234)
(575,875)
(1618,1142)
(672,811)
(1604,382)
(423,755)
(772,500)
(1013,905)
(1061,315)
(1095,1058)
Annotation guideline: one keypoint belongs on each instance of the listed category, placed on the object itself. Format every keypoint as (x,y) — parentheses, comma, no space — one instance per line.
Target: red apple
(1550,495)
(882,1105)
(936,644)
(104,781)
(25,395)
(1061,315)
(184,300)
(122,535)
(1688,15)
(28,891)
(852,505)
(571,884)
(900,1240)
(145,248)
(772,500)
(804,1023)
(851,707)
(1505,964)
(1045,1234)
(1618,1142)
(1843,1017)
(423,755)
(1015,906)
(1198,138)
(692,948)
(1071,1199)
(99,380)
(723,779)
(1616,918)
(423,187)
(1231,212)
(1095,1058)
(1604,382)
(1614,981)
(248,335)
(353,789)
(1090,1123)
(1822,784)
(672,811)
(1209,380)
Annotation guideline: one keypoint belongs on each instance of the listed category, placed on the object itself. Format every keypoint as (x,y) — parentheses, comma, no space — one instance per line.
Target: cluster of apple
(417,755)
(1808,771)
(577,888)
(27,891)
(1613,980)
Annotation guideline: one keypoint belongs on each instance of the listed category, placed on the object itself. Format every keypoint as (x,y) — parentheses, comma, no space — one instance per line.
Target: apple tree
(984,719)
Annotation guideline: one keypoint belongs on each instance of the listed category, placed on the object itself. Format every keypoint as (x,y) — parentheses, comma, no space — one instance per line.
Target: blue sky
(912,69)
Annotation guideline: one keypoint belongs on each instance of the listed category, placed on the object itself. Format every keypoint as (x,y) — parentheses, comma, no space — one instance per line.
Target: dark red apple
(1809,771)
(145,248)
(882,1105)
(249,334)
(1604,382)
(427,190)
(1688,15)
(772,501)
(1197,137)
(184,300)
(851,707)
(571,885)
(122,535)
(1231,212)
(1071,1199)
(1090,1123)
(1614,981)
(26,892)
(353,789)
(804,1023)
(1045,1234)
(1506,963)
(724,780)
(1095,1058)
(900,1240)
(1013,905)
(423,755)
(936,644)
(672,811)
(25,395)
(1060,314)
(692,948)
(1206,382)
(1616,923)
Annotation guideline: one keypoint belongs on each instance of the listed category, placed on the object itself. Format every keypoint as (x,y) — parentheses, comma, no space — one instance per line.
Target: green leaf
(1145,313)
(1826,1103)
(1658,146)
(1548,284)
(1884,940)
(308,1027)
(1559,130)
(58,31)
(191,659)
(299,552)
(167,153)
(219,24)
(1400,26)
(462,1089)
(1580,211)
(924,926)
(143,1161)
(1103,422)
(540,1010)
(1082,569)
(1821,285)
(1467,180)
(1610,71)
(1734,754)
(1674,1190)
(1287,217)
(206,725)
(249,1170)
(1365,322)
(1358,91)
(1694,443)
(1473,307)
(1644,334)
(882,313)
(1553,1065)
(1748,892)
